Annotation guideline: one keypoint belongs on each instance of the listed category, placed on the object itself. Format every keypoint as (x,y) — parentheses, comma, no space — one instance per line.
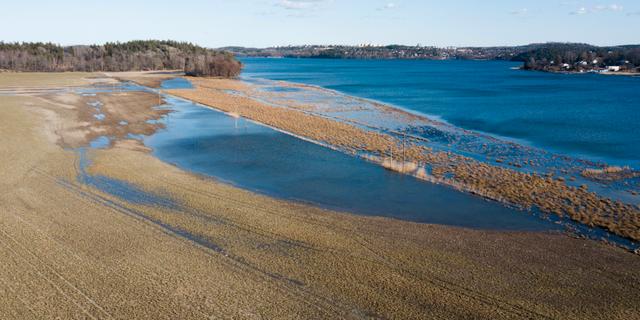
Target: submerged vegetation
(127,56)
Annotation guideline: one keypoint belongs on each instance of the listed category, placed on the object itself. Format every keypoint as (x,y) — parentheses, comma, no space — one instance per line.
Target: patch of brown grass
(610,173)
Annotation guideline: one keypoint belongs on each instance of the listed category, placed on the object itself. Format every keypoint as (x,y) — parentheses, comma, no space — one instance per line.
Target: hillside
(572,57)
(127,56)
(384,52)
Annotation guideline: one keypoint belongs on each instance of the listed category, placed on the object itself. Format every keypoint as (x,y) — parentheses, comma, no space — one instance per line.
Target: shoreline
(606,73)
(583,157)
(438,120)
(575,163)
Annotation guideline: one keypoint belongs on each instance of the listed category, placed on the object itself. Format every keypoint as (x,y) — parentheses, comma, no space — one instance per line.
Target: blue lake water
(587,116)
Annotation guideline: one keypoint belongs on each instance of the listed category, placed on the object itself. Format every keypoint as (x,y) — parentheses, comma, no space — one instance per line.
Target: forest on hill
(127,56)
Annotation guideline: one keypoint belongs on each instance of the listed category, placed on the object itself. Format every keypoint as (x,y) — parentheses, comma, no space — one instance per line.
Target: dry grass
(37,79)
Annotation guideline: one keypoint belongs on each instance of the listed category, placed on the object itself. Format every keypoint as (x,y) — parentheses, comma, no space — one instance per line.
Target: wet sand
(73,251)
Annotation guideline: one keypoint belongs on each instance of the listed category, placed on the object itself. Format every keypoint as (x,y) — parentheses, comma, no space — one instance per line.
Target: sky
(263,23)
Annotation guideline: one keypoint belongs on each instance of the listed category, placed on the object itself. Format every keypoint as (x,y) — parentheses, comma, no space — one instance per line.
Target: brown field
(70,251)
(42,79)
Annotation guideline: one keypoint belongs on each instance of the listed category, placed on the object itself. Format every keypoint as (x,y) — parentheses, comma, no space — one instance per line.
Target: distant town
(367,51)
(552,57)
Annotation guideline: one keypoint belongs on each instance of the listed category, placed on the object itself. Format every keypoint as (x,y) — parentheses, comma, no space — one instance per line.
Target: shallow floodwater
(261,159)
(176,83)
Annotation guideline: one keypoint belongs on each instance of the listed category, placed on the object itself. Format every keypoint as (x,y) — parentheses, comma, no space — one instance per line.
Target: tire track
(48,279)
(394,264)
(15,294)
(141,274)
(110,272)
(284,285)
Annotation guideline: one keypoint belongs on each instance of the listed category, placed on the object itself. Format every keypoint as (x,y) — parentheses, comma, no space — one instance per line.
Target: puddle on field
(176,83)
(100,143)
(115,187)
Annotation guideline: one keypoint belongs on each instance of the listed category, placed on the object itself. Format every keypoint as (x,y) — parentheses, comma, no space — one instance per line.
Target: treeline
(386,52)
(127,56)
(580,57)
(536,56)
(346,52)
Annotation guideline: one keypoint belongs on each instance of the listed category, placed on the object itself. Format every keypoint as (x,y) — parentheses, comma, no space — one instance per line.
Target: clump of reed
(405,167)
(606,170)
(611,173)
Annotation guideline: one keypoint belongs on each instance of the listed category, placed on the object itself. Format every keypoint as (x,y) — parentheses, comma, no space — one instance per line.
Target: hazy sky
(261,23)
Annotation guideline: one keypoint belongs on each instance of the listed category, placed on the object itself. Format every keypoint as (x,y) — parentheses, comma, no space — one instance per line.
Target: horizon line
(330,45)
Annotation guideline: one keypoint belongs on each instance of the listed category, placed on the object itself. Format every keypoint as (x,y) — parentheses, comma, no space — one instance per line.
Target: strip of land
(210,250)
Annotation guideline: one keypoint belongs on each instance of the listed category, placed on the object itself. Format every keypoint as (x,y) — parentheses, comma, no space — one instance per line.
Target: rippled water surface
(588,116)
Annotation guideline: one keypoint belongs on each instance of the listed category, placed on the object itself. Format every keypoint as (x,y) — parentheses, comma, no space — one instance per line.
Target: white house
(613,68)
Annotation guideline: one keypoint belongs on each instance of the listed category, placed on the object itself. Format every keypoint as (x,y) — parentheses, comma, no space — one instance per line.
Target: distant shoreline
(606,73)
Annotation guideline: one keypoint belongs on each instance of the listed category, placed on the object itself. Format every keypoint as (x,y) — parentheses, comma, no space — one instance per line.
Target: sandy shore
(72,251)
